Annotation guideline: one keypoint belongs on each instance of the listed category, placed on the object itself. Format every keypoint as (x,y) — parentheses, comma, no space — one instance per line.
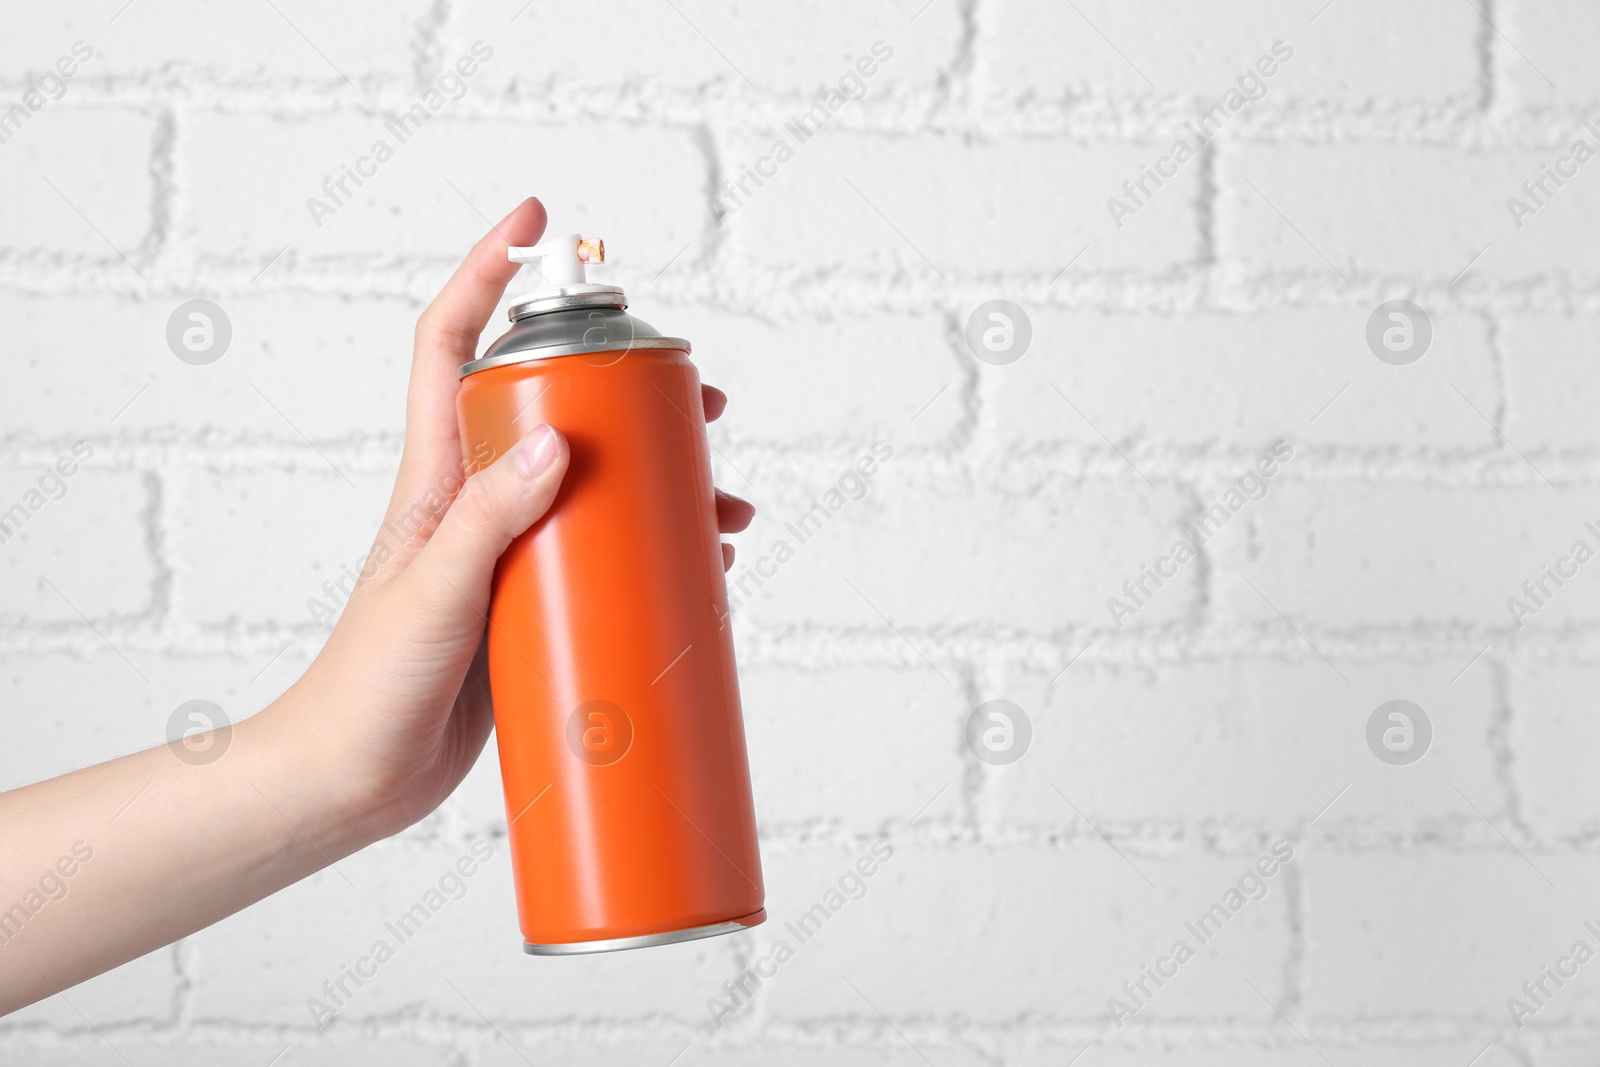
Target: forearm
(107,864)
(103,865)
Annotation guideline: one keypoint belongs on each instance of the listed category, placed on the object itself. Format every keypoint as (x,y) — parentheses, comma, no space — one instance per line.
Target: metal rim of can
(530,354)
(666,937)
(608,296)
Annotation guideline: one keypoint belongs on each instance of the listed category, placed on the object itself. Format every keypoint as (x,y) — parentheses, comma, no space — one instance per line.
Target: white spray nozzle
(560,260)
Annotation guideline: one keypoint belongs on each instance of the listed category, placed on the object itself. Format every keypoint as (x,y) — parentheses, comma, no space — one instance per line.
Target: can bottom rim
(667,937)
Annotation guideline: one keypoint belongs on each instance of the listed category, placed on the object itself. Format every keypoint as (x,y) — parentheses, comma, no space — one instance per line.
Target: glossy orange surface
(611,658)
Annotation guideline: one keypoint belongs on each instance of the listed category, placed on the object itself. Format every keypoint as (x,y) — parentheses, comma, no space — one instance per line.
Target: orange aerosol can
(616,700)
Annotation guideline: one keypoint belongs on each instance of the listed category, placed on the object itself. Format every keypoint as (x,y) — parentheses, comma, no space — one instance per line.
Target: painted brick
(1352,53)
(1441,935)
(1420,211)
(251,177)
(1204,328)
(75,546)
(141,991)
(84,710)
(279,953)
(1040,203)
(325,367)
(211,1050)
(318,523)
(1288,1050)
(839,380)
(804,50)
(1550,723)
(98,159)
(987,548)
(1208,381)
(1550,381)
(1547,65)
(1344,555)
(1259,744)
(863,747)
(1062,930)
(365,41)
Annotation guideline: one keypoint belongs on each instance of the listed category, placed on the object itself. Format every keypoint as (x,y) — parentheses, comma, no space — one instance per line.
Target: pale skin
(381,728)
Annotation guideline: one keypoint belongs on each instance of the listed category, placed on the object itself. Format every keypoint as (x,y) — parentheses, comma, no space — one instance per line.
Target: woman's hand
(399,697)
(385,723)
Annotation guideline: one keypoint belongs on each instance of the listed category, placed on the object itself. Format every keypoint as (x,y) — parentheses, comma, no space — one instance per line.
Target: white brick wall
(1168,354)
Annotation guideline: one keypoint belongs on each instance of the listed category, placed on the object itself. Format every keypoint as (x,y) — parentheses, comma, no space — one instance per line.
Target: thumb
(494,506)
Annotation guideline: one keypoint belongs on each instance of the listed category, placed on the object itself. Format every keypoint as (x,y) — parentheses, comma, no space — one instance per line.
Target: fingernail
(535,452)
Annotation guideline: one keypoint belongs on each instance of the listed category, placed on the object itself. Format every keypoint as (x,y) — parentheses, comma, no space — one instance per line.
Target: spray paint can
(616,699)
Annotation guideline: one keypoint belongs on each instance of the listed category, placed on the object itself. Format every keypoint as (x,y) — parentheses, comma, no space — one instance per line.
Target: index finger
(461,310)
(446,337)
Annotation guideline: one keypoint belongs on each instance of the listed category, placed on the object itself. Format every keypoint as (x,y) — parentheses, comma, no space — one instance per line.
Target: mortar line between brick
(1486,52)
(974,791)
(1207,207)
(963,436)
(1295,964)
(855,1031)
(710,146)
(160,166)
(1205,567)
(1502,748)
(1497,371)
(1028,468)
(827,288)
(428,45)
(962,86)
(1108,120)
(163,568)
(186,972)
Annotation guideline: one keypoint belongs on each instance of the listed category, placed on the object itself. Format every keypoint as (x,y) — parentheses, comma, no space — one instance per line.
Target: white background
(1228,313)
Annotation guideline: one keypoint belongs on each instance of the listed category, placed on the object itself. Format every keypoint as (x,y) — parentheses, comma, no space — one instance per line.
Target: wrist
(316,785)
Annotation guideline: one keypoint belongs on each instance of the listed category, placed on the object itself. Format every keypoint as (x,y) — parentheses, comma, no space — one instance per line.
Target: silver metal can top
(572,321)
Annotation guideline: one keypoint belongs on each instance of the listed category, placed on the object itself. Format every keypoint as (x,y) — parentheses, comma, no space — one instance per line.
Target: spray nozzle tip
(560,260)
